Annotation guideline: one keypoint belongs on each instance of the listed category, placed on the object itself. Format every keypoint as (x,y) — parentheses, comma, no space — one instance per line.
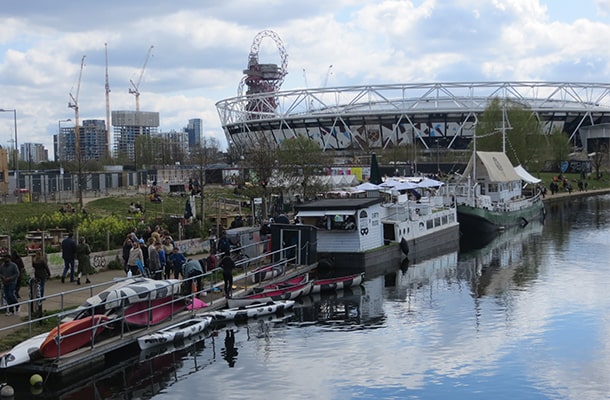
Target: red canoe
(72,335)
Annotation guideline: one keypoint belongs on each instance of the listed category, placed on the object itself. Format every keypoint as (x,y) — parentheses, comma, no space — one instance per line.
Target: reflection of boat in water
(402,283)
(501,263)
(357,306)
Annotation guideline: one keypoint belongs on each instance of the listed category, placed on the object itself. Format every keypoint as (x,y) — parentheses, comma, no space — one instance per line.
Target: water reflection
(509,259)
(359,307)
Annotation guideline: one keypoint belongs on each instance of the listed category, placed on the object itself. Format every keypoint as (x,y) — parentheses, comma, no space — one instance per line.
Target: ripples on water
(525,317)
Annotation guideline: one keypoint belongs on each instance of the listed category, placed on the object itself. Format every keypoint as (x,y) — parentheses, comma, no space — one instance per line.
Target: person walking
(68,253)
(227,264)
(83,250)
(127,245)
(9,272)
(16,258)
(41,270)
(135,256)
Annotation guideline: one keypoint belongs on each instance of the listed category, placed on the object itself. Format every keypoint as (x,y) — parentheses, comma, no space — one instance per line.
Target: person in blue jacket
(178,261)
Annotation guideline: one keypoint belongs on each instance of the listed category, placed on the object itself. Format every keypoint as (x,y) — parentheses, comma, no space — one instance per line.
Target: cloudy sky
(201,48)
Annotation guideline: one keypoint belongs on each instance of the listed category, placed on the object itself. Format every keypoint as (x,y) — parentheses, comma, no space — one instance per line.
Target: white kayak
(175,333)
(97,300)
(24,352)
(144,289)
(250,311)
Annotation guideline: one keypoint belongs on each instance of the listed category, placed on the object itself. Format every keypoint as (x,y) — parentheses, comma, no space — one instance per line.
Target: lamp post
(60,155)
(17,186)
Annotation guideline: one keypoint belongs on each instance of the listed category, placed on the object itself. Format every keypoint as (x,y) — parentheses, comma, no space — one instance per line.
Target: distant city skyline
(202,48)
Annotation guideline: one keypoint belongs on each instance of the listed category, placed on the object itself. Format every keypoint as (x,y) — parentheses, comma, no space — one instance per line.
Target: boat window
(437,221)
(429,224)
(444,220)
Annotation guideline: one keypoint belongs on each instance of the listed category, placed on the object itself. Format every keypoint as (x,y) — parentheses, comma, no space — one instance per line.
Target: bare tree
(598,160)
(300,160)
(261,162)
(207,153)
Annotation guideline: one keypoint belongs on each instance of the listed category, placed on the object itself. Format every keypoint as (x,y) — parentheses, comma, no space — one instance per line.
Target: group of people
(12,272)
(76,256)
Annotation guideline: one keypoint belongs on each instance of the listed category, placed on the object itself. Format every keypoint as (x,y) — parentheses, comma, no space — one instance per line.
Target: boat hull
(476,220)
(142,291)
(24,352)
(175,333)
(266,273)
(72,335)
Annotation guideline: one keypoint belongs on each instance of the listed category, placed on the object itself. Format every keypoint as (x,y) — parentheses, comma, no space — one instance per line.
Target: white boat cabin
(344,225)
(495,177)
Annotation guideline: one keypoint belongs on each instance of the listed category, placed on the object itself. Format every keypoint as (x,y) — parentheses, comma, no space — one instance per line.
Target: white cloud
(202,48)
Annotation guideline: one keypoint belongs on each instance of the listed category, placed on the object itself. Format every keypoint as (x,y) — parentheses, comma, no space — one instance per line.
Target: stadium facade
(364,118)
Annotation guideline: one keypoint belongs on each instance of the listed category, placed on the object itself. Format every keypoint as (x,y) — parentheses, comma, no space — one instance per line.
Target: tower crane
(328,73)
(107,102)
(74,105)
(135,87)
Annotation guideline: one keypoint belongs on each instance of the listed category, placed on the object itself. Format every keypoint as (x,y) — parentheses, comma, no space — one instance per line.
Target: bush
(116,264)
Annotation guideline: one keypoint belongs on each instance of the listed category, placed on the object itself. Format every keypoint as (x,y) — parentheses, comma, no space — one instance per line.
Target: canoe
(287,293)
(72,335)
(93,302)
(339,283)
(174,333)
(288,282)
(156,311)
(249,311)
(24,352)
(141,291)
(267,272)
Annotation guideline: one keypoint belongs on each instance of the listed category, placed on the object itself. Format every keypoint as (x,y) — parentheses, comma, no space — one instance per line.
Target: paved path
(66,294)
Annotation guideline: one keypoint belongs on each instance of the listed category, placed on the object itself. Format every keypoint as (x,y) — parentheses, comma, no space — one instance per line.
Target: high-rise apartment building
(127,125)
(33,152)
(93,142)
(194,130)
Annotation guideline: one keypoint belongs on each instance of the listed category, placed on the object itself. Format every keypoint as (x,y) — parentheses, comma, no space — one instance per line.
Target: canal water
(525,316)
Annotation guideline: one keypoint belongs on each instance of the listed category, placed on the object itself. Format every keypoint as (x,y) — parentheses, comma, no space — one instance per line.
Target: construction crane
(107,102)
(74,105)
(328,73)
(135,87)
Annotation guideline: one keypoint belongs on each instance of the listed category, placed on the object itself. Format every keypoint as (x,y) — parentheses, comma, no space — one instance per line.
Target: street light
(14,111)
(60,150)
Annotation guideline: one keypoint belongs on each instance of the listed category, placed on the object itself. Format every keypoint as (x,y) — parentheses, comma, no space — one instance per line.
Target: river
(524,317)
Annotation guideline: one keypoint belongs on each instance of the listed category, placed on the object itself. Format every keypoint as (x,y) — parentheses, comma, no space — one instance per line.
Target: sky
(201,48)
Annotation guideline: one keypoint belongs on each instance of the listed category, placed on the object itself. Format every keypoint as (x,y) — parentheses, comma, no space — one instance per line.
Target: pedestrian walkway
(63,295)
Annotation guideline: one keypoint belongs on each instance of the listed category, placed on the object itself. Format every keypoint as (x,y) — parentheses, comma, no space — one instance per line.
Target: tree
(510,127)
(208,152)
(261,162)
(599,157)
(299,162)
(558,145)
